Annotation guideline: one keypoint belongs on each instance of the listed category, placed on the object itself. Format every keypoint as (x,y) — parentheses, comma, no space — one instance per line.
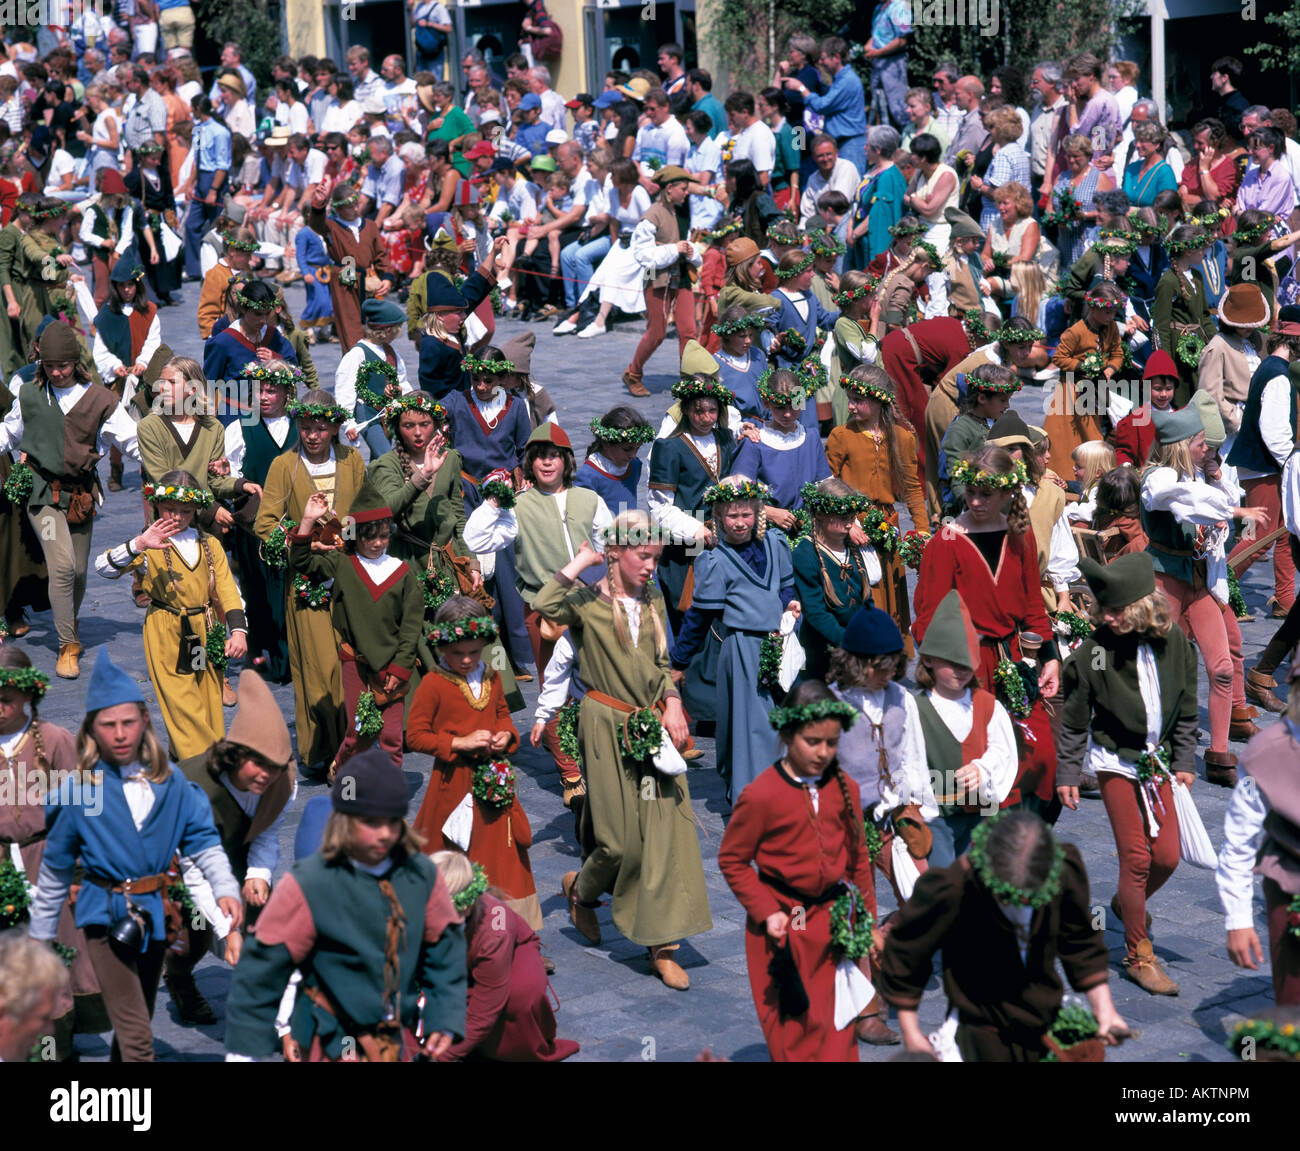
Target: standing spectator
(933,192)
(400,101)
(1043,127)
(704,163)
(1149,174)
(970,134)
(539,82)
(232,60)
(749,138)
(773,111)
(1257,116)
(233,107)
(176,23)
(833,171)
(104,137)
(165,83)
(1267,186)
(946,108)
(1224,74)
(921,117)
(1093,111)
(1006,83)
(700,86)
(1081,181)
(878,199)
(1144,112)
(432,24)
(660,140)
(319,100)
(891,26)
(670,61)
(1010,163)
(365,82)
(1215,175)
(1121,82)
(144,114)
(545,40)
(212,159)
(843,104)
(290,112)
(799,64)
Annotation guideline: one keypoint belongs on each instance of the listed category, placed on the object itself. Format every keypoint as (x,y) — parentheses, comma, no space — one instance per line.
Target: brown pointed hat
(258,723)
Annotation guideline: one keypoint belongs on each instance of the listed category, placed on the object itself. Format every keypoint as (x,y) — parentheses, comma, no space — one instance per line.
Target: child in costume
(508,1016)
(836,571)
(651,864)
(1131,720)
(127,333)
(795,856)
(989,389)
(318,463)
(1092,460)
(1186,512)
(856,335)
(318,313)
(1261,822)
(123,831)
(250,337)
(369,921)
(371,373)
(989,554)
(612,469)
(377,604)
(35,757)
(875,454)
(1091,350)
(743,587)
(459,716)
(740,363)
(518,350)
(783,453)
(798,310)
(1119,494)
(1136,432)
(699,366)
(1182,318)
(195,621)
(1002,918)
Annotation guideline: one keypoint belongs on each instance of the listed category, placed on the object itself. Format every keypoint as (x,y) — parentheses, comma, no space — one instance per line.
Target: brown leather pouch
(913,831)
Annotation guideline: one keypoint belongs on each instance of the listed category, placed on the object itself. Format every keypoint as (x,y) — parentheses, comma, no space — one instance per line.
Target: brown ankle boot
(582,917)
(667,968)
(1145,970)
(1221,768)
(69,665)
(1259,687)
(1241,726)
(632,381)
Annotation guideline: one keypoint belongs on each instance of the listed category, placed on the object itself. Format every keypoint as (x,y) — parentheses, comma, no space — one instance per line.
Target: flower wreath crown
(455,631)
(177,494)
(968,475)
(821,503)
(731,493)
(25,680)
(785,717)
(330,413)
(414,402)
(866,388)
(1000,889)
(636,435)
(799,268)
(693,389)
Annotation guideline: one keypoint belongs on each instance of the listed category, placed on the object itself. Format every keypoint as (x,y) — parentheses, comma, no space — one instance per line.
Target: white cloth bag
(853,992)
(460,822)
(668,760)
(792,653)
(905,872)
(1193,840)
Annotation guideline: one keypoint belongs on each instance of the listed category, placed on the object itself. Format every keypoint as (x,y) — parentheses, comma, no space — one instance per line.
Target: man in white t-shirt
(833,171)
(553,113)
(660,141)
(704,163)
(399,92)
(749,137)
(306,169)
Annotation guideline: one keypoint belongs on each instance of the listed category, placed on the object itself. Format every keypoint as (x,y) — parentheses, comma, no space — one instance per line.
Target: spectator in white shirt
(232,60)
(660,140)
(364,81)
(290,112)
(749,138)
(553,113)
(704,163)
(345,111)
(832,172)
(1257,116)
(1047,82)
(1121,81)
(400,101)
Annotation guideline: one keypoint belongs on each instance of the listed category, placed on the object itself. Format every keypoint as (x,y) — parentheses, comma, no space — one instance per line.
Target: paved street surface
(608,1001)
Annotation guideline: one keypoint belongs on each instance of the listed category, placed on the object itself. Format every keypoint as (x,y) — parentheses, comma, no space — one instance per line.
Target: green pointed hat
(696,361)
(1211,418)
(369,505)
(1125,580)
(951,635)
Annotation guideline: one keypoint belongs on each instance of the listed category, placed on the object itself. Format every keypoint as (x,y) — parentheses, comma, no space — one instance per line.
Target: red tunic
(1134,435)
(1001,606)
(508,1016)
(915,364)
(775,828)
(442,711)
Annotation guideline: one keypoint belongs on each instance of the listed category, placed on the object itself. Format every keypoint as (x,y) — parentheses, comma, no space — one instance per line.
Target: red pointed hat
(1161,363)
(550,433)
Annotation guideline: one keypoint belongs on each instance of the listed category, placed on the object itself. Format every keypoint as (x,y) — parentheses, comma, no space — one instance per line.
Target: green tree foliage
(253,24)
(1281,50)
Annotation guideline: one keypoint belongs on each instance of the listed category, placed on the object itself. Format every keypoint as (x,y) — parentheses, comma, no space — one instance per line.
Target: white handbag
(460,823)
(1193,840)
(668,760)
(905,872)
(793,657)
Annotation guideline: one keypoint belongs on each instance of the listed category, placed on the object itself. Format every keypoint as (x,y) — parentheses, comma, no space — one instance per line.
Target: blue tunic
(784,470)
(93,826)
(484,449)
(742,593)
(311,258)
(618,492)
(744,382)
(440,365)
(227,352)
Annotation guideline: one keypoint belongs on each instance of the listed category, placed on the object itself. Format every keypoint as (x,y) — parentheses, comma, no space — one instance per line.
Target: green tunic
(163,450)
(638,831)
(965,434)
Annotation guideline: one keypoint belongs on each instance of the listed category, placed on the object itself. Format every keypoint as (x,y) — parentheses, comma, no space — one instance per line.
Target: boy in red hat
(1135,433)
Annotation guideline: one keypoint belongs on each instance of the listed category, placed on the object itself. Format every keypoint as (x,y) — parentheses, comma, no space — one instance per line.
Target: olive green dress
(638,832)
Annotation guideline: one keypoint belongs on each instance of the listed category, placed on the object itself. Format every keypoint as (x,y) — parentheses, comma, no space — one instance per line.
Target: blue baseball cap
(608,98)
(529,100)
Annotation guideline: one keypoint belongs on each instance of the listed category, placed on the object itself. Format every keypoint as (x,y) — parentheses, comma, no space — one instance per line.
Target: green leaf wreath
(370,720)
(851,924)
(1072,625)
(309,594)
(567,725)
(882,534)
(1092,366)
(1001,264)
(501,491)
(493,783)
(439,586)
(1293,917)
(369,397)
(1074,1024)
(912,547)
(794,341)
(1236,601)
(465,899)
(1068,212)
(641,735)
(875,841)
(1153,766)
(14,895)
(214,647)
(1010,687)
(769,661)
(1189,347)
(1266,1034)
(18,487)
(274,550)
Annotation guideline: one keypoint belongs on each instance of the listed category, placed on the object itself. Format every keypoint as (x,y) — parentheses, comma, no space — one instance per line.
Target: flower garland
(274,550)
(763,386)
(1010,687)
(968,475)
(1213,221)
(439,586)
(1265,1033)
(912,547)
(477,367)
(416,401)
(1113,246)
(1092,365)
(286,377)
(739,324)
(567,730)
(330,413)
(308,594)
(976,330)
(1068,212)
(237,294)
(826,244)
(1153,766)
(500,491)
(1178,247)
(866,388)
(880,532)
(240,245)
(851,924)
(1010,388)
(845,296)
(15,897)
(811,374)
(25,681)
(634,436)
(214,647)
(1000,889)
(732,493)
(875,841)
(465,899)
(18,487)
(782,718)
(730,228)
(901,229)
(1072,625)
(1009,335)
(1097,300)
(369,721)
(177,494)
(1002,264)
(1189,347)
(377,401)
(708,388)
(769,661)
(1236,601)
(456,631)
(1249,233)
(641,734)
(794,341)
(819,503)
(927,249)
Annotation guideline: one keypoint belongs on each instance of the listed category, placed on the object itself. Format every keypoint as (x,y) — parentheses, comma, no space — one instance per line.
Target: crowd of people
(407,543)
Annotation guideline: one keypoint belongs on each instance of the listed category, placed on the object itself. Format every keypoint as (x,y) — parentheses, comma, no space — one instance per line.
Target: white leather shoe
(564,328)
(591,331)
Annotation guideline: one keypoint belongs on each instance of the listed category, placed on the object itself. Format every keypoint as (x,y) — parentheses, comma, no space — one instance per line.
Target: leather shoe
(874,1030)
(1221,768)
(228,696)
(632,381)
(189,1001)
(1259,688)
(1114,907)
(582,917)
(68,665)
(19,627)
(1242,727)
(1145,970)
(668,969)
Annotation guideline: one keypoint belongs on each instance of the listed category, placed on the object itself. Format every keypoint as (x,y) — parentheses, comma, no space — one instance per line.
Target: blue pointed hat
(110,685)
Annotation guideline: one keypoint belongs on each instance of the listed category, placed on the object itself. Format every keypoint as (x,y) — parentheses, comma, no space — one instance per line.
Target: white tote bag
(905,873)
(1193,840)
(793,656)
(668,760)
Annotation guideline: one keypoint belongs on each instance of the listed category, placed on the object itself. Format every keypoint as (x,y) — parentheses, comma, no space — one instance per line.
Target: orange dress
(1076,414)
(177,112)
(445,708)
(861,460)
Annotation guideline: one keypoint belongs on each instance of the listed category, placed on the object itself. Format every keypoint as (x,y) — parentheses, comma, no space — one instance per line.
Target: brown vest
(1272,760)
(666,232)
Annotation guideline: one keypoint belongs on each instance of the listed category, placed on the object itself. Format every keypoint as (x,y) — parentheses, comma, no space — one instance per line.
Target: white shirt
(843,178)
(118,429)
(553,112)
(1243,835)
(859,752)
(278,426)
(1274,424)
(705,158)
(107,363)
(664,142)
(341,117)
(139,795)
(379,569)
(1197,502)
(61,164)
(86,234)
(559,681)
(489,529)
(1063,554)
(295,118)
(345,379)
(756,144)
(1000,761)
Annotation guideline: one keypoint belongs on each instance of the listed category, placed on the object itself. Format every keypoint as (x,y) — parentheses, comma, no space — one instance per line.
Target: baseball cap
(529,100)
(482,148)
(556,136)
(608,98)
(579,100)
